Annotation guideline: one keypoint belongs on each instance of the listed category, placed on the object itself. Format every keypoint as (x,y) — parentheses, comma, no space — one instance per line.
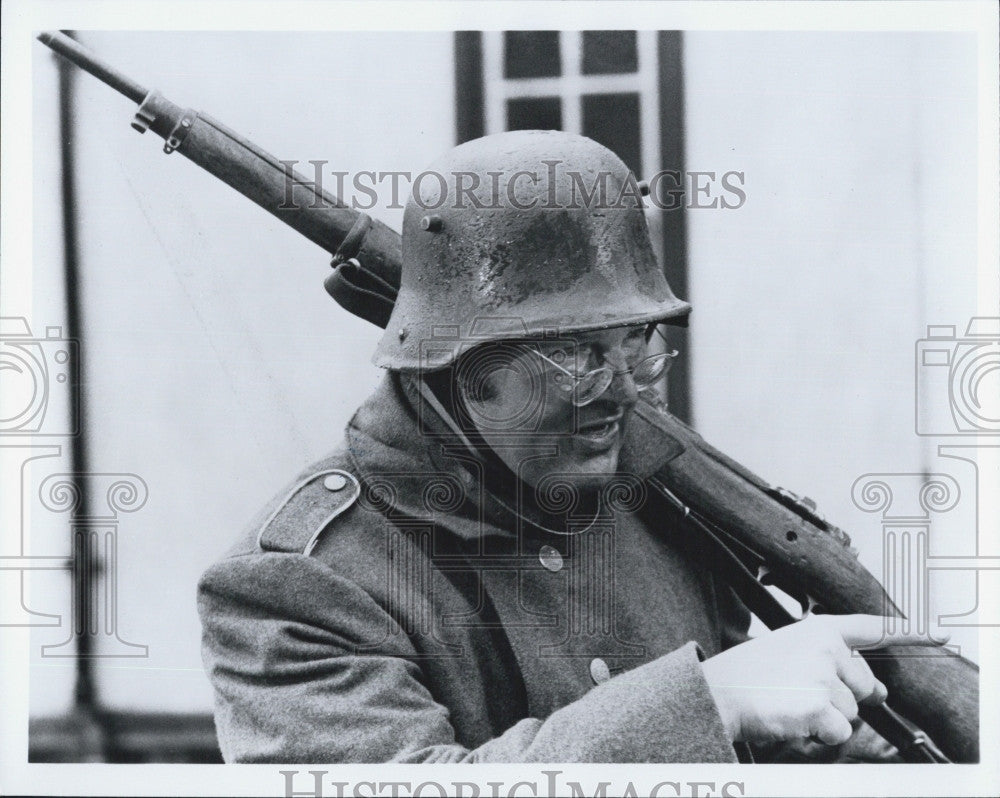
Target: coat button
(599,671)
(550,558)
(335,482)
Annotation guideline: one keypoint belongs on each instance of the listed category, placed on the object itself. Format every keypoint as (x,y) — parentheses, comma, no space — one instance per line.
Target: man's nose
(622,389)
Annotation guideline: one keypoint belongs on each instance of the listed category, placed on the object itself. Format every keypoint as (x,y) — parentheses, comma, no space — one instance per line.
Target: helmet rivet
(644,188)
(402,333)
(432,223)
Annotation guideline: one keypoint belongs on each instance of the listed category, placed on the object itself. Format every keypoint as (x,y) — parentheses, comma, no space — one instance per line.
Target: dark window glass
(531,53)
(534,113)
(608,52)
(613,120)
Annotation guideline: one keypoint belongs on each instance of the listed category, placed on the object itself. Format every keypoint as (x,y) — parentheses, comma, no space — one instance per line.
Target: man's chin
(594,471)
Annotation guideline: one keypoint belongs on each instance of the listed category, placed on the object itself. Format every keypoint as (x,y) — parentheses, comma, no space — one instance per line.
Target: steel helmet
(517,234)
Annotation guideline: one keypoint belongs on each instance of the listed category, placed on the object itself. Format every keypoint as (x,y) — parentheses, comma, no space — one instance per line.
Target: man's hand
(802,680)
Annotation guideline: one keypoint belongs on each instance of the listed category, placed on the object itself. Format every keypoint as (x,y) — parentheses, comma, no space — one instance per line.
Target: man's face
(588,438)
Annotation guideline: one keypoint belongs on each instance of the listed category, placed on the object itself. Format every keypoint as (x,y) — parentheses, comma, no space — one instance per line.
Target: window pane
(531,54)
(609,51)
(613,120)
(534,113)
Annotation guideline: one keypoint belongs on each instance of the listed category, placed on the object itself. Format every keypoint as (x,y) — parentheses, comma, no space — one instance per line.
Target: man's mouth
(600,432)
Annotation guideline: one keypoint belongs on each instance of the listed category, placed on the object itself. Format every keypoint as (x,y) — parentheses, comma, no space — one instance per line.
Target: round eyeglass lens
(591,385)
(651,369)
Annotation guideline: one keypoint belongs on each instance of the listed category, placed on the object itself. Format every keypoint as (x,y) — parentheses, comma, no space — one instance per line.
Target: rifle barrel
(367,253)
(83,58)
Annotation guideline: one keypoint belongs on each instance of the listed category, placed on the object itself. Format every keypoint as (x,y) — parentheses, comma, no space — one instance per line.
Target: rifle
(748,529)
(352,238)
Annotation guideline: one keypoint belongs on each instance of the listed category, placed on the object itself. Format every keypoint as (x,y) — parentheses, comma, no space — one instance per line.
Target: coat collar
(402,451)
(398,444)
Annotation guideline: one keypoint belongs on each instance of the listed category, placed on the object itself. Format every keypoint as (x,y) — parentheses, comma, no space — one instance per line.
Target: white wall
(858,231)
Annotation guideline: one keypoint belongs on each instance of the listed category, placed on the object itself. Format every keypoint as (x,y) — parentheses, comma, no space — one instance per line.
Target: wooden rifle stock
(802,554)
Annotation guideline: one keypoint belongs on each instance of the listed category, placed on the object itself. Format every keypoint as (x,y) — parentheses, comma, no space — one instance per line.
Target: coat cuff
(662,711)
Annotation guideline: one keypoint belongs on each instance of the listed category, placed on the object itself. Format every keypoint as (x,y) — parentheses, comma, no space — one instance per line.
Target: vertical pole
(86,572)
(671,84)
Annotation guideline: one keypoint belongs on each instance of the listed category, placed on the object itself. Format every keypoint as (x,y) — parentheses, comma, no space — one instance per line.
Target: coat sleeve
(291,687)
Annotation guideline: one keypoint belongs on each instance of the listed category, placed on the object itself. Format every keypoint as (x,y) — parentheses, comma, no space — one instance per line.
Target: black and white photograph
(500,399)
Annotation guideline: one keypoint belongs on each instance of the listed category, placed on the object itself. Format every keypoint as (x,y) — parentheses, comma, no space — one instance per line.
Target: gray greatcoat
(384,608)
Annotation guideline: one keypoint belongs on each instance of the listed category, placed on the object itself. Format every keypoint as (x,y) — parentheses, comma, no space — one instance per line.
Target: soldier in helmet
(473,575)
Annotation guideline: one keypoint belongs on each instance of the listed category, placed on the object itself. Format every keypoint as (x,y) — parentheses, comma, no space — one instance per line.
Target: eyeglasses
(585,388)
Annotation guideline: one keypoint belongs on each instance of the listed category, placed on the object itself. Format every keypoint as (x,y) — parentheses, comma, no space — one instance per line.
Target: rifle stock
(805,556)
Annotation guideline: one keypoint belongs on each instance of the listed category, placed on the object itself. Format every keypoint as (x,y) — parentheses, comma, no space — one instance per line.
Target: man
(475,574)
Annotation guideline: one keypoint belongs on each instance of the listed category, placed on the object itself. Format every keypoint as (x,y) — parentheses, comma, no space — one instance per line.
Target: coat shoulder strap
(308,510)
